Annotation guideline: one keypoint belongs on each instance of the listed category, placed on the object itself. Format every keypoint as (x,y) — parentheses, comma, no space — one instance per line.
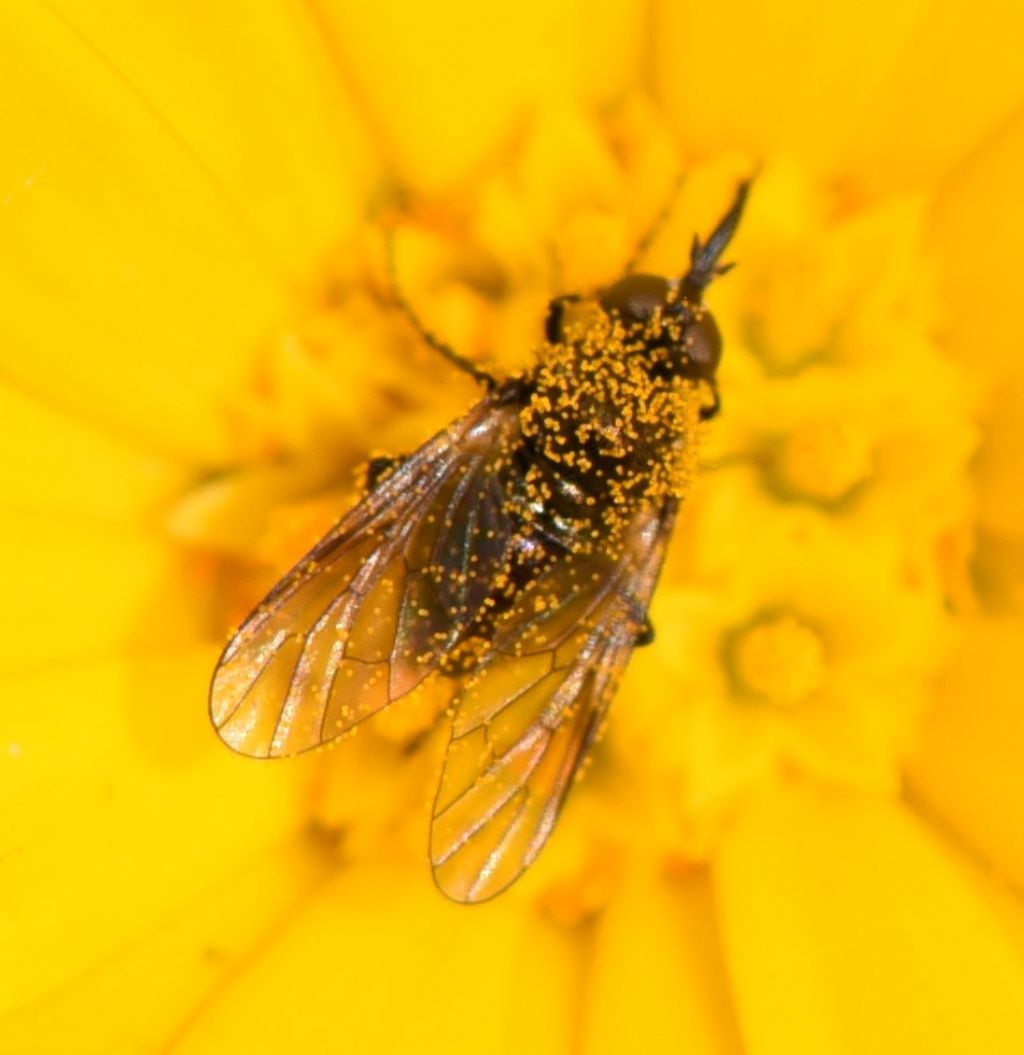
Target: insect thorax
(608,425)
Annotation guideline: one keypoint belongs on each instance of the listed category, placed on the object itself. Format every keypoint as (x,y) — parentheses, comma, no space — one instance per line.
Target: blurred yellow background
(803,831)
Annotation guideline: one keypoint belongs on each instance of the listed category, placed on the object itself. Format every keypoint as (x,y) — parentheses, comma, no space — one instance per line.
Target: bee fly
(515,552)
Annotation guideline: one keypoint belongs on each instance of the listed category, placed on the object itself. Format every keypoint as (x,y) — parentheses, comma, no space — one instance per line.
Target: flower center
(782,660)
(824,460)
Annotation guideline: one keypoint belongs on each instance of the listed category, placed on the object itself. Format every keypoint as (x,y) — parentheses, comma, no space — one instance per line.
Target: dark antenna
(655,227)
(460,362)
(704,265)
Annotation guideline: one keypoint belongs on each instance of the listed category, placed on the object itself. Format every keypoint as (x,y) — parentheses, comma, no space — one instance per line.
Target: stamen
(824,460)
(782,660)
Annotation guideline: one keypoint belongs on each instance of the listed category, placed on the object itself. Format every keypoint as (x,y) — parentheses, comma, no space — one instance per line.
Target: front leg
(556,315)
(376,469)
(712,409)
(645,633)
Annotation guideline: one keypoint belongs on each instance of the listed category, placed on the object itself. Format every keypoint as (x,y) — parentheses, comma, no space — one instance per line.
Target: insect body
(515,552)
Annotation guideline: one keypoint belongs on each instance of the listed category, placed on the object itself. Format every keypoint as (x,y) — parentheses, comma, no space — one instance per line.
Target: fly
(516,552)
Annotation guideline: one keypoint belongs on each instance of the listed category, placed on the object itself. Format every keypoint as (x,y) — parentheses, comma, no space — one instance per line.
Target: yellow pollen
(782,660)
(825,459)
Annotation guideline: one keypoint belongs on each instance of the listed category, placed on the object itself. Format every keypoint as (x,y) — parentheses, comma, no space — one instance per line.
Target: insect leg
(377,468)
(645,635)
(556,313)
(460,362)
(710,411)
(656,226)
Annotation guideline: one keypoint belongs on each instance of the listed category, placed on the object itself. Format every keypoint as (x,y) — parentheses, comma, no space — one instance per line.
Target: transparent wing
(526,718)
(368,613)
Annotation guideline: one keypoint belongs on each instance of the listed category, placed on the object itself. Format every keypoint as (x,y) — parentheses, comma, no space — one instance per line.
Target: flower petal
(978,229)
(657,982)
(549,967)
(119,806)
(77,589)
(958,79)
(250,89)
(978,232)
(847,928)
(145,995)
(377,962)
(133,292)
(446,83)
(789,77)
(67,467)
(998,467)
(966,766)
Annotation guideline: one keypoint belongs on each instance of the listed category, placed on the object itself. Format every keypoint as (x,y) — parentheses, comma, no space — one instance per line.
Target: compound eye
(635,298)
(702,346)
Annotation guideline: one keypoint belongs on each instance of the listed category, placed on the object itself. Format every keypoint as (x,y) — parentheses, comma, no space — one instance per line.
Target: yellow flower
(802,830)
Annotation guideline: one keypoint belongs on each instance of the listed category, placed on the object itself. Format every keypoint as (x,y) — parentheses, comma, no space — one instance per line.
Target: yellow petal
(605,44)
(378,962)
(956,81)
(978,229)
(978,233)
(998,563)
(998,567)
(1010,909)
(251,90)
(77,588)
(657,982)
(998,466)
(789,77)
(966,766)
(548,970)
(849,929)
(145,995)
(446,84)
(120,806)
(133,291)
(67,467)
